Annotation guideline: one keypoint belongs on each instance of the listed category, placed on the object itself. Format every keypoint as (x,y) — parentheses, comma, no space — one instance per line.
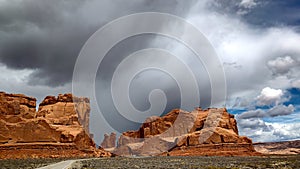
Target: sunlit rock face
(66,109)
(17,105)
(61,121)
(182,129)
(70,116)
(19,123)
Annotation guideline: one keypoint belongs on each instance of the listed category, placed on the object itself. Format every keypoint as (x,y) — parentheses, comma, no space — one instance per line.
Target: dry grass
(271,162)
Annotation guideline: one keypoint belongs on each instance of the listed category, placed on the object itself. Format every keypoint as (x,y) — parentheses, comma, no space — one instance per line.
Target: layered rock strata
(282,148)
(199,130)
(60,125)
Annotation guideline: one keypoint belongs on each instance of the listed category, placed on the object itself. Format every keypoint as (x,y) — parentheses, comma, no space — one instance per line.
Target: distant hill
(285,147)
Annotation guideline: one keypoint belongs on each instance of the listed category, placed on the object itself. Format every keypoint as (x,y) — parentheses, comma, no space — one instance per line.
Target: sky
(257,42)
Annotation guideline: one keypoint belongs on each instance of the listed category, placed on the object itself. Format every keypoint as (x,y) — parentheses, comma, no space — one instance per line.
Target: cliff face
(109,141)
(181,129)
(18,121)
(66,110)
(18,105)
(60,121)
(69,115)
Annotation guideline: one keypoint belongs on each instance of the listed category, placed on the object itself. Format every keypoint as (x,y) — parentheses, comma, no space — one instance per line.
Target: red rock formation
(68,116)
(109,141)
(18,105)
(183,129)
(57,122)
(224,149)
(66,110)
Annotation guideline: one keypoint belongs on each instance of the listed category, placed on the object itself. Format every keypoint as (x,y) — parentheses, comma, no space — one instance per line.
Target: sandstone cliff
(187,131)
(66,109)
(109,141)
(60,123)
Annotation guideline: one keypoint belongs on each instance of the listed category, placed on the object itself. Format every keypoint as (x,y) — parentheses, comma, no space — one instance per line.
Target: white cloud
(286,131)
(251,123)
(246,6)
(280,82)
(261,131)
(246,52)
(248,3)
(296,84)
(269,96)
(250,49)
(14,76)
(15,81)
(282,65)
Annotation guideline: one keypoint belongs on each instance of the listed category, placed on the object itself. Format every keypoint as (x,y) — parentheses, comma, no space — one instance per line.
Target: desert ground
(264,162)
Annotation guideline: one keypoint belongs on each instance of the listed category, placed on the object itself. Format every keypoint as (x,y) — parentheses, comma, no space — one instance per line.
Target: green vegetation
(167,162)
(271,162)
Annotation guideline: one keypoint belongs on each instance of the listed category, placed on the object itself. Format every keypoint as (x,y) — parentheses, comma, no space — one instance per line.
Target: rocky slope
(200,132)
(284,148)
(58,129)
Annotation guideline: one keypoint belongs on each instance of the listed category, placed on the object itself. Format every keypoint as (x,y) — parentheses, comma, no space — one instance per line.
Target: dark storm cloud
(47,35)
(145,81)
(39,35)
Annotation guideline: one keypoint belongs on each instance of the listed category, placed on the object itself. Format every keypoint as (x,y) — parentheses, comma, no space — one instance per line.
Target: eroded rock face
(18,105)
(66,110)
(59,120)
(182,129)
(109,141)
